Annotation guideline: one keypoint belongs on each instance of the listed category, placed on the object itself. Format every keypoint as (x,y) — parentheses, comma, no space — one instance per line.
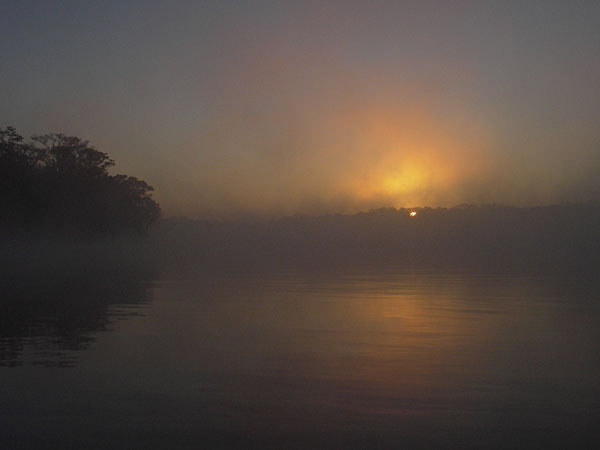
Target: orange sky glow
(322,107)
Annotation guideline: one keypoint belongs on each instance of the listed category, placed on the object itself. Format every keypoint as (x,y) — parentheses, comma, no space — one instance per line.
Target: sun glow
(407,180)
(362,154)
(413,214)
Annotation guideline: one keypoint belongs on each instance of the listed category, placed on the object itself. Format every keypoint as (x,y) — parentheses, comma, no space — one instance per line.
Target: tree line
(61,184)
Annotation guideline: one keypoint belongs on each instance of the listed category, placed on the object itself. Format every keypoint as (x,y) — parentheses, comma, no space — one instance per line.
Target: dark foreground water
(356,359)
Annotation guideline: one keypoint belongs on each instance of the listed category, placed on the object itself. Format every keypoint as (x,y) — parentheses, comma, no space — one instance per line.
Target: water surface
(362,358)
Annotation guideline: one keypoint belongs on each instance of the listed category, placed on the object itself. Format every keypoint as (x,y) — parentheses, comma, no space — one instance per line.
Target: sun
(413,214)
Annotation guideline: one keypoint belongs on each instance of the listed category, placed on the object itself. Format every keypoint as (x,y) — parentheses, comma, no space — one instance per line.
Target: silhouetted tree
(62,183)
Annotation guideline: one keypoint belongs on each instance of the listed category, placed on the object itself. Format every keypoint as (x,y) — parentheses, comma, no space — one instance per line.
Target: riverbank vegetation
(61,185)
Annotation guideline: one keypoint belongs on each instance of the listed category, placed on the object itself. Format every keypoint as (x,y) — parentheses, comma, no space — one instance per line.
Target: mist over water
(305,351)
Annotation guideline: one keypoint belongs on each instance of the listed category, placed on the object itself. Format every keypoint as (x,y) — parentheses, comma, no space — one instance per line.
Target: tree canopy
(62,184)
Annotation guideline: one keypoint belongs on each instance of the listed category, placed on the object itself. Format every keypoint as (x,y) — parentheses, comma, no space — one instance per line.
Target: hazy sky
(274,107)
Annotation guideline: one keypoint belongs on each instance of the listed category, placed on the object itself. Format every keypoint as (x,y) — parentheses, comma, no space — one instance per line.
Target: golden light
(406,181)
(413,214)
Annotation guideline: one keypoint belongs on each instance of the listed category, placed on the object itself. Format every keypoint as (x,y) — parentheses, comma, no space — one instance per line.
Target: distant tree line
(61,184)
